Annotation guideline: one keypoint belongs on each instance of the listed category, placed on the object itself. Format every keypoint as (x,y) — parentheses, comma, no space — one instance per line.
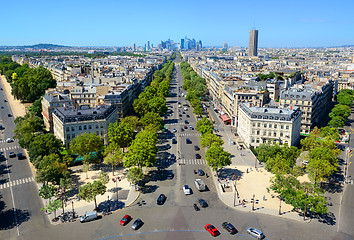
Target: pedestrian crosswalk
(189,134)
(180,124)
(17,182)
(192,161)
(8,148)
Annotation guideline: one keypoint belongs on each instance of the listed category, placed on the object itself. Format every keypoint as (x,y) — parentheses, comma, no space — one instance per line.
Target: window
(253,124)
(270,125)
(97,133)
(258,124)
(84,127)
(281,134)
(287,127)
(282,126)
(257,141)
(265,125)
(73,136)
(274,134)
(101,125)
(68,137)
(97,126)
(80,128)
(275,125)
(89,127)
(72,129)
(67,129)
(257,132)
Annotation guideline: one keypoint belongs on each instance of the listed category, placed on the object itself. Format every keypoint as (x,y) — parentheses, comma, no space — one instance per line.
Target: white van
(88,216)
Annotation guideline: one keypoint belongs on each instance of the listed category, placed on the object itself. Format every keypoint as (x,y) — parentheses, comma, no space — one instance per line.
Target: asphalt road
(176,218)
(19,202)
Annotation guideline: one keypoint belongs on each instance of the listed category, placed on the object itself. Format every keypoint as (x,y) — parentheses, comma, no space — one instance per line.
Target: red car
(212,230)
(126,219)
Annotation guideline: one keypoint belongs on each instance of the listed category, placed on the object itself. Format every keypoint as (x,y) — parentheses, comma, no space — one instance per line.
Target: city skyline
(319,24)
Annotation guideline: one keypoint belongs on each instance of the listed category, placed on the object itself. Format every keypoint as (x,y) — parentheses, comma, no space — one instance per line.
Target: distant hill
(45,45)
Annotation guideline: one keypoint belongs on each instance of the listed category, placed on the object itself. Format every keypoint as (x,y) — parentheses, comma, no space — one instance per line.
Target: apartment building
(314,100)
(69,122)
(51,100)
(258,125)
(83,95)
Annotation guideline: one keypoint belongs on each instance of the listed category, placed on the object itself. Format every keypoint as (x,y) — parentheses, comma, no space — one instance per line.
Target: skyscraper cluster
(187,43)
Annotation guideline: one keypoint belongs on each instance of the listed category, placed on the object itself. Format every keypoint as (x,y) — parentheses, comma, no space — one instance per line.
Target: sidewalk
(252,181)
(126,194)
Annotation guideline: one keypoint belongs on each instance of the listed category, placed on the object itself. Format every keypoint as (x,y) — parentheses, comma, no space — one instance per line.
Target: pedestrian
(247,170)
(130,183)
(264,198)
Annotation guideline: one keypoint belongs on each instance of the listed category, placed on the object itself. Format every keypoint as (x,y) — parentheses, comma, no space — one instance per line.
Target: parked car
(186,190)
(212,230)
(201,172)
(9,140)
(191,127)
(182,129)
(185,121)
(180,115)
(196,207)
(188,141)
(161,199)
(255,233)
(9,115)
(170,175)
(197,156)
(187,116)
(174,141)
(229,227)
(125,220)
(196,148)
(173,157)
(185,127)
(174,130)
(88,216)
(202,203)
(2,107)
(137,224)
(168,146)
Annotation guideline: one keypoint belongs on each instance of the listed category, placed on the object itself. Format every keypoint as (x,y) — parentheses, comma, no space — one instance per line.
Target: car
(188,141)
(187,115)
(174,130)
(196,148)
(202,203)
(182,129)
(12,154)
(19,156)
(168,146)
(197,156)
(229,227)
(125,220)
(186,121)
(174,141)
(185,127)
(179,102)
(191,127)
(1,89)
(180,115)
(185,109)
(173,157)
(179,106)
(161,199)
(200,172)
(196,207)
(9,140)
(183,112)
(2,107)
(9,115)
(170,175)
(137,224)
(212,230)
(255,233)
(5,100)
(186,190)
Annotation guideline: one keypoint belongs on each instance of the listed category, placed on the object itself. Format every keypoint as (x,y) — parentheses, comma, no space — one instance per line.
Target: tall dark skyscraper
(253,43)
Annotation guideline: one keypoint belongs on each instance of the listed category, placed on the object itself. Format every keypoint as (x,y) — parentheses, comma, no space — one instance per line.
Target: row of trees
(196,87)
(28,84)
(341,111)
(321,153)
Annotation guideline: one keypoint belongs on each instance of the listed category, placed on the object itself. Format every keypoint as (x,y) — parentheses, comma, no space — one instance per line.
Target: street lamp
(108,207)
(253,203)
(72,204)
(116,180)
(306,189)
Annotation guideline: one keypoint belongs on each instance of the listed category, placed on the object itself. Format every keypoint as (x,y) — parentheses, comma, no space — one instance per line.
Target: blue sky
(299,23)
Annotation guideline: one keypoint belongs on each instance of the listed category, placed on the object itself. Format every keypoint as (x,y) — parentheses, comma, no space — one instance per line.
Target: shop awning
(225,118)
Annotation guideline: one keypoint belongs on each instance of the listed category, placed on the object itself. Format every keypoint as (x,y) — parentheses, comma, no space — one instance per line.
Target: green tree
(53,206)
(204,125)
(90,191)
(44,144)
(341,111)
(142,152)
(323,163)
(217,157)
(336,122)
(121,134)
(103,177)
(152,118)
(134,175)
(85,144)
(209,139)
(133,121)
(345,99)
(64,185)
(26,127)
(47,191)
(113,155)
(36,107)
(51,169)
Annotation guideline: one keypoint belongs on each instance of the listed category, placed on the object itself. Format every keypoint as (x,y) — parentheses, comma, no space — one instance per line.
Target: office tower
(133,47)
(148,46)
(182,44)
(253,43)
(225,46)
(200,42)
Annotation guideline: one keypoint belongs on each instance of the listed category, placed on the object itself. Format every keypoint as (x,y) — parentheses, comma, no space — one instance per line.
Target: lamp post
(108,205)
(116,180)
(253,203)
(72,204)
(279,204)
(306,189)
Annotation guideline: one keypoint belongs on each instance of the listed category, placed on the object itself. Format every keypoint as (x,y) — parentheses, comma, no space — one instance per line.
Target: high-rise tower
(253,43)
